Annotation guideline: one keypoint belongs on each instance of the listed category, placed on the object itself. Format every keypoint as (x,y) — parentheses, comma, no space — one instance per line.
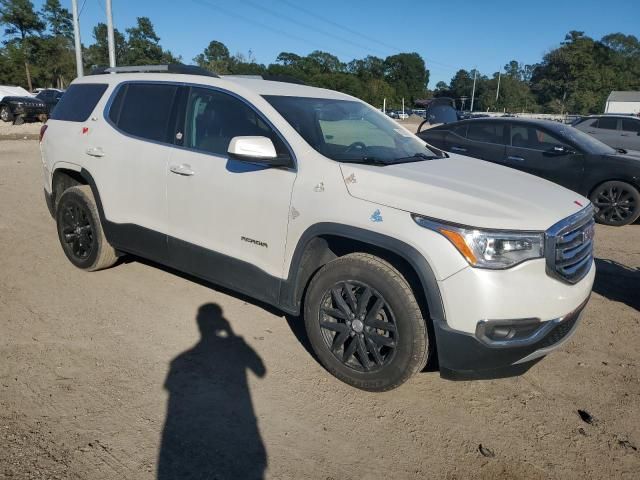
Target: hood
(28,100)
(465,191)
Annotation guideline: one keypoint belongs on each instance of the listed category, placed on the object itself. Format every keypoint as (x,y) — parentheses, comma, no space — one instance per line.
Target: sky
(449,34)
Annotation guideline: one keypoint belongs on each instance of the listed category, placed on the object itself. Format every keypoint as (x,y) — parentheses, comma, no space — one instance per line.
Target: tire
(5,114)
(80,231)
(617,203)
(341,325)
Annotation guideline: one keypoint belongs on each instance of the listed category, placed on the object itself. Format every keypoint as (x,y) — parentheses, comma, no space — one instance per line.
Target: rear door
(531,150)
(484,140)
(630,134)
(605,129)
(130,159)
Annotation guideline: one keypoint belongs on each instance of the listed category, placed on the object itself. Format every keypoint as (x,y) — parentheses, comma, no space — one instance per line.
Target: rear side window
(608,123)
(486,132)
(78,102)
(630,125)
(144,110)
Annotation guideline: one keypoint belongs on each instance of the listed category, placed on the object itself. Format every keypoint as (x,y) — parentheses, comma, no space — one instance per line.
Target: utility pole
(76,36)
(402,106)
(473,92)
(498,90)
(110,39)
(384,106)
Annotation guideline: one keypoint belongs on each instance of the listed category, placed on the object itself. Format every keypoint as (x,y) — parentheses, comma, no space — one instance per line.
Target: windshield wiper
(366,161)
(418,157)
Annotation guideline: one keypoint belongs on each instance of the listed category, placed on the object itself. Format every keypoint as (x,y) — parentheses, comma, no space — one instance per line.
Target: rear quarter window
(144,110)
(78,102)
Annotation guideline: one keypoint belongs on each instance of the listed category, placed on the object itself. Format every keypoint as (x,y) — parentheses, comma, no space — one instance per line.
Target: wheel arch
(634,182)
(323,242)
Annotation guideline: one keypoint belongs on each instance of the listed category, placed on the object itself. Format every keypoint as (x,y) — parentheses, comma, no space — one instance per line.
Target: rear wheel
(80,231)
(617,203)
(365,324)
(5,114)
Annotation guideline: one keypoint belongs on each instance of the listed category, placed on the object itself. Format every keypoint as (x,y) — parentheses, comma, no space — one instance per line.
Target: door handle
(95,152)
(458,149)
(184,170)
(516,159)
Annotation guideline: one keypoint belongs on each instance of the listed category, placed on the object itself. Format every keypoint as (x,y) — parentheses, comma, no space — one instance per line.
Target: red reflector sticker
(577,203)
(85,130)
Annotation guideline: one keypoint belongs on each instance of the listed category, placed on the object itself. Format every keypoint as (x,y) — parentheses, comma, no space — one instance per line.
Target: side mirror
(256,150)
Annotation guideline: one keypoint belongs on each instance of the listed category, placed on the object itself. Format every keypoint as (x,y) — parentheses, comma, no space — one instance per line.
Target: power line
(296,22)
(82,8)
(229,13)
(355,32)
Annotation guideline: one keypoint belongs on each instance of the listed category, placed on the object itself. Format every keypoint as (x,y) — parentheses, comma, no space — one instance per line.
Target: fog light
(501,333)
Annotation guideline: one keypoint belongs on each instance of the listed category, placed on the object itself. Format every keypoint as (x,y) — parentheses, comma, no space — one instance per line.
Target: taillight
(43,129)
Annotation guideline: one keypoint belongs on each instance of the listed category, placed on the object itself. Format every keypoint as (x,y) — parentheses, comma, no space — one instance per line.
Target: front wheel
(5,114)
(365,324)
(617,203)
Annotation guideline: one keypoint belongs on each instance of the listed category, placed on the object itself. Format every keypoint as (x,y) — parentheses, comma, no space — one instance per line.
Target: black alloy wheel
(616,203)
(77,232)
(5,114)
(358,326)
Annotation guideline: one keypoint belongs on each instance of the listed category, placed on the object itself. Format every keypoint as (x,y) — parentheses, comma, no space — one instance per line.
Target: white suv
(317,203)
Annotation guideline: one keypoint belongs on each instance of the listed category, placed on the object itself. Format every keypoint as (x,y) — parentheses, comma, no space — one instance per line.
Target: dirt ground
(139,373)
(26,131)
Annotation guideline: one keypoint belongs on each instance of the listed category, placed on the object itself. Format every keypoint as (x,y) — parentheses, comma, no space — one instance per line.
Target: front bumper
(465,356)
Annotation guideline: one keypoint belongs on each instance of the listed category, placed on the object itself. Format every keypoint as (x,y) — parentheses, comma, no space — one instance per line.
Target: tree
(59,19)
(215,58)
(98,53)
(21,22)
(143,45)
(407,74)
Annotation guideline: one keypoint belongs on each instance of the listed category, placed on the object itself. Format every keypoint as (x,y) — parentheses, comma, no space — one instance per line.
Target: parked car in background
(555,151)
(617,131)
(50,96)
(19,109)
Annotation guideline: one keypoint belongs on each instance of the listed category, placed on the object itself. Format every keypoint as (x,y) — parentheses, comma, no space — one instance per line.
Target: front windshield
(350,131)
(586,142)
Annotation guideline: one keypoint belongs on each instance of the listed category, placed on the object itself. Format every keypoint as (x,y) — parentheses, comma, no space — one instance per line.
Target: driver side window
(213,118)
(534,138)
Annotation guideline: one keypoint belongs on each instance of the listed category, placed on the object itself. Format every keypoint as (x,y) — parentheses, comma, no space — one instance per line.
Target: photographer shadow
(211,431)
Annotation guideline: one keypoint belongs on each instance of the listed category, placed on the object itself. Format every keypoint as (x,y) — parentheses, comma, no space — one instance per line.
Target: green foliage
(576,77)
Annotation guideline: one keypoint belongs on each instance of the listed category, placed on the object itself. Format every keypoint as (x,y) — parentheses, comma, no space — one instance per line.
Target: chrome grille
(569,247)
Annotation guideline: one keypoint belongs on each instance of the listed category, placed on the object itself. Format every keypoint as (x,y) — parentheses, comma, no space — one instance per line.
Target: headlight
(494,249)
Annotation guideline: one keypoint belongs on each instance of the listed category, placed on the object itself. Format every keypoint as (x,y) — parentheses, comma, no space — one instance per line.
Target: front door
(531,151)
(227,219)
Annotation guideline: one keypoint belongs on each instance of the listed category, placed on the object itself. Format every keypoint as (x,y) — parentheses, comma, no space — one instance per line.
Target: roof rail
(271,78)
(170,68)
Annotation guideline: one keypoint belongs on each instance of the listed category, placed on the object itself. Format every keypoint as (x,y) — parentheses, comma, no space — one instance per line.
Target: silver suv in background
(617,131)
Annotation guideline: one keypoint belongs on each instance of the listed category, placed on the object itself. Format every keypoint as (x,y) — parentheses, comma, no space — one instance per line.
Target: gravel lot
(108,375)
